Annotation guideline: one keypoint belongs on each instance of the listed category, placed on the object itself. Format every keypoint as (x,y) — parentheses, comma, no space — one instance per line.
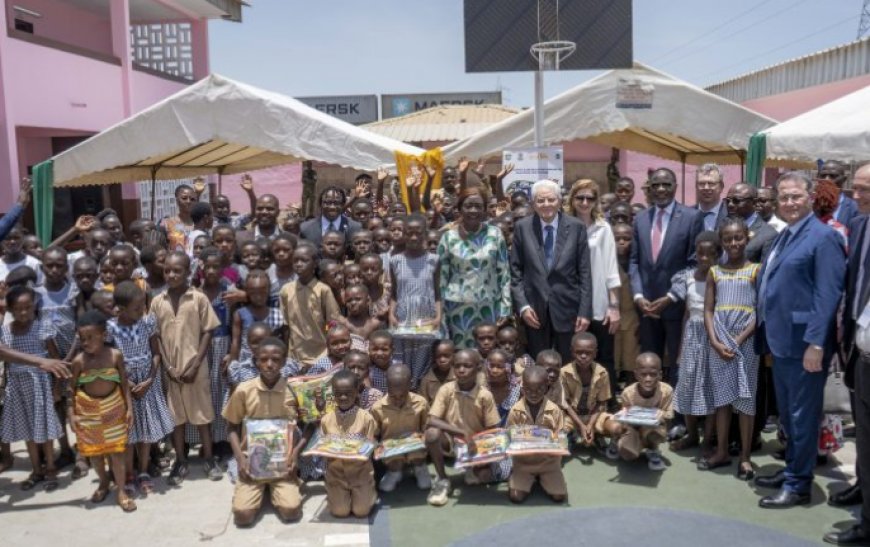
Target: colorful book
(413,442)
(269,443)
(639,416)
(491,447)
(351,447)
(305,388)
(528,440)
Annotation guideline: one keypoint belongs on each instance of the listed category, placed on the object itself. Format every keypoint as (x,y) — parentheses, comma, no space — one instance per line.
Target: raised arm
(13,215)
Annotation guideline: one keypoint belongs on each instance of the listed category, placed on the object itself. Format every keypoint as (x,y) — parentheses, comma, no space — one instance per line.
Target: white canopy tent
(839,130)
(220,126)
(639,109)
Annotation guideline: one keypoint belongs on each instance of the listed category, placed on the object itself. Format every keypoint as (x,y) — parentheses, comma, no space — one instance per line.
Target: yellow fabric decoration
(430,158)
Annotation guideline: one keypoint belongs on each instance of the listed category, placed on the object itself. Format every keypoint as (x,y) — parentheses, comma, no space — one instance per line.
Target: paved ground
(199,510)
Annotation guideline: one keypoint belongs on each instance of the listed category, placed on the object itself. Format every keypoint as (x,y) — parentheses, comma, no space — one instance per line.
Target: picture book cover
(269,443)
(413,442)
(305,389)
(352,447)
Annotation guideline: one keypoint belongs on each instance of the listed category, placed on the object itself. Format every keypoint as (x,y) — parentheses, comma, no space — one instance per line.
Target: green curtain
(43,200)
(755,159)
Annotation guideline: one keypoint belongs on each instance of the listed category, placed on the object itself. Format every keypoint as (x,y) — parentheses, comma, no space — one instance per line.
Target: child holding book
(264,397)
(461,409)
(587,389)
(186,320)
(135,335)
(308,306)
(647,392)
(102,412)
(440,372)
(534,408)
(400,414)
(350,485)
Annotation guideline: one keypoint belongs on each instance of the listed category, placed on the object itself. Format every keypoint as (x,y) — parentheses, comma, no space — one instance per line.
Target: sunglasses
(585,199)
(736,201)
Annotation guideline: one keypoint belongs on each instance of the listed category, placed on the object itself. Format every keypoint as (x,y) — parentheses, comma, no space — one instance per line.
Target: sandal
(684,443)
(80,470)
(745,473)
(99,495)
(31,481)
(709,465)
(127,505)
(51,483)
(146,486)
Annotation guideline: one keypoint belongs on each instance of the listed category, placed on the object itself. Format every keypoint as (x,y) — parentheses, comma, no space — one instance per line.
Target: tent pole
(220,187)
(742,157)
(153,193)
(539,107)
(683,182)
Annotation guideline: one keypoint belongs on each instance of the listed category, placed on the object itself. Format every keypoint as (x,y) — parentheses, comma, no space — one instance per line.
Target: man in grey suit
(741,203)
(551,279)
(663,244)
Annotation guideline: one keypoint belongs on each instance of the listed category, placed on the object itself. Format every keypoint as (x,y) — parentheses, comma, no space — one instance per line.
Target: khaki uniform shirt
(394,421)
(662,399)
(253,400)
(474,410)
(307,309)
(430,384)
(599,387)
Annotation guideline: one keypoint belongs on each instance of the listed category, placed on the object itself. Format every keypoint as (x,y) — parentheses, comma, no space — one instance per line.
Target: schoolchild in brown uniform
(441,371)
(535,409)
(587,389)
(398,414)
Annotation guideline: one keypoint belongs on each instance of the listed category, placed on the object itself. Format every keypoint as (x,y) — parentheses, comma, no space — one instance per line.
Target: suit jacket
(723,213)
(803,291)
(761,236)
(312,229)
(565,292)
(653,279)
(858,230)
(848,211)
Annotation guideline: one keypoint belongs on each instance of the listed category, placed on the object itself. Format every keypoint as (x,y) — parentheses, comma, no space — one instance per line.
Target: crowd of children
(178,333)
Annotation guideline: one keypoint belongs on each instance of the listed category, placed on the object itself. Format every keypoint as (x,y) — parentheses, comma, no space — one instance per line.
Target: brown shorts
(248,495)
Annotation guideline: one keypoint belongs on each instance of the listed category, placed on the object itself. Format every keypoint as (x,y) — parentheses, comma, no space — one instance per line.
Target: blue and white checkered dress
(152,420)
(220,346)
(274,320)
(28,411)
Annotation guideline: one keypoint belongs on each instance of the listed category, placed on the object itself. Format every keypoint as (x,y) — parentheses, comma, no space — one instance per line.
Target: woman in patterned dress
(135,335)
(729,316)
(178,228)
(474,271)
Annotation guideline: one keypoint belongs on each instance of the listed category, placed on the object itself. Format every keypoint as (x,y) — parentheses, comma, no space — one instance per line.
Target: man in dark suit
(856,348)
(799,289)
(708,191)
(741,203)
(331,218)
(551,279)
(266,209)
(662,245)
(835,171)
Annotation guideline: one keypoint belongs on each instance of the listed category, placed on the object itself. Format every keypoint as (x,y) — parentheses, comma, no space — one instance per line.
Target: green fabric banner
(755,159)
(43,200)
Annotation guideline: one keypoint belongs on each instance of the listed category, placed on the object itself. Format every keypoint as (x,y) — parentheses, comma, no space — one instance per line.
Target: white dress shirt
(602,261)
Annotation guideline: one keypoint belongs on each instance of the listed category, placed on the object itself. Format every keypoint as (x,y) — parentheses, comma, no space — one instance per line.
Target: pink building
(71,68)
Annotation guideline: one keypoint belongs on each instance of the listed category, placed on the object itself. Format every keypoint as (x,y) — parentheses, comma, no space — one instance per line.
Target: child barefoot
(693,394)
(28,411)
(729,316)
(102,413)
(587,389)
(358,362)
(535,409)
(648,391)
(441,371)
(135,335)
(350,485)
(461,409)
(264,397)
(398,414)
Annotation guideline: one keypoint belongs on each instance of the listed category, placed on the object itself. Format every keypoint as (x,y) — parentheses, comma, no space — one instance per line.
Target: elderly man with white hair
(551,279)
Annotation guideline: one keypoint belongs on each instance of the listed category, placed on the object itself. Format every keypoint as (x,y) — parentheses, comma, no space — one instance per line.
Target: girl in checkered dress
(136,336)
(257,311)
(28,411)
(216,286)
(729,316)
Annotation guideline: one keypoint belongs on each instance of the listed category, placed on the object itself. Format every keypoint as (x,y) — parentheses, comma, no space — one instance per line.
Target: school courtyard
(611,503)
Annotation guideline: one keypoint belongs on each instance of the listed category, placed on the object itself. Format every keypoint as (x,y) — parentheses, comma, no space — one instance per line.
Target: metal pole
(153,193)
(683,182)
(539,107)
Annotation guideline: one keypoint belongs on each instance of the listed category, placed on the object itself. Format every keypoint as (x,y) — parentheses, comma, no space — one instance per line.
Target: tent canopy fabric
(218,125)
(639,109)
(838,130)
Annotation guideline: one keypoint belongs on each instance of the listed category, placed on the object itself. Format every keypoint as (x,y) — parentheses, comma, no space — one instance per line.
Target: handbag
(837,399)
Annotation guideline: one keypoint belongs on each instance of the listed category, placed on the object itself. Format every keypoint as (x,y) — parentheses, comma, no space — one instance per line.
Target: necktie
(771,260)
(657,233)
(548,246)
(710,220)
(332,227)
(863,273)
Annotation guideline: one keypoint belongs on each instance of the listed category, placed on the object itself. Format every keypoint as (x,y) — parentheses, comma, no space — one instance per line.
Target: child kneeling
(535,409)
(628,441)
(264,397)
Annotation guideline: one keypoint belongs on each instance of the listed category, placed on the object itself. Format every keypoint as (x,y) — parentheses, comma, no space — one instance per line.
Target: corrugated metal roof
(831,65)
(442,123)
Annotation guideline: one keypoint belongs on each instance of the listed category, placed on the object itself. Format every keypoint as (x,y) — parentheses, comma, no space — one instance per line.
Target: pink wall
(66,23)
(788,105)
(31,151)
(284,181)
(148,89)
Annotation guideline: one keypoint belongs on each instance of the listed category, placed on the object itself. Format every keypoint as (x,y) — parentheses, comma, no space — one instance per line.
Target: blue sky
(344,47)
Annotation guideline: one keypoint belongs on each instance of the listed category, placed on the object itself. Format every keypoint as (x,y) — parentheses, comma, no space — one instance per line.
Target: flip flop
(684,443)
(31,481)
(707,465)
(127,505)
(51,484)
(99,495)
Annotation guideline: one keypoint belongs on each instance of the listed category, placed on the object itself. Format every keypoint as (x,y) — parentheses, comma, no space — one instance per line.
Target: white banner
(532,165)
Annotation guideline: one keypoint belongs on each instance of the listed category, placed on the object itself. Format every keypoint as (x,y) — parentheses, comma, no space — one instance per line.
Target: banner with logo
(532,165)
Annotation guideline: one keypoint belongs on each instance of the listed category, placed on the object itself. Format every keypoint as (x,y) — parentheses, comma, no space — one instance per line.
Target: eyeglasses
(791,198)
(828,176)
(585,199)
(736,200)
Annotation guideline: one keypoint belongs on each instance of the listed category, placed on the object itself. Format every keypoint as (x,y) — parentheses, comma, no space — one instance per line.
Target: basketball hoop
(550,54)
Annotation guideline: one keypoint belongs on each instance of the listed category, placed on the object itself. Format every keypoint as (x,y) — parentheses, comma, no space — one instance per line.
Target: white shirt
(26,261)
(605,271)
(777,223)
(324,224)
